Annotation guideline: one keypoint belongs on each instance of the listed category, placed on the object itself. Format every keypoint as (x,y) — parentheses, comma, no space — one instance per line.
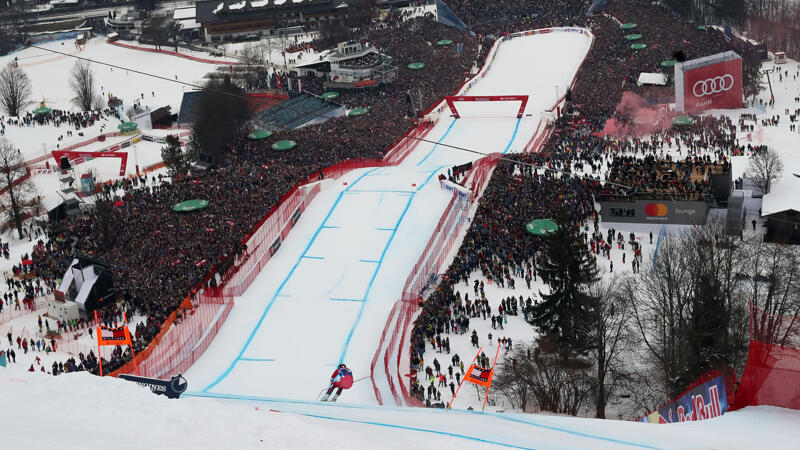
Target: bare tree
(557,382)
(21,192)
(765,168)
(158,31)
(84,86)
(15,89)
(611,335)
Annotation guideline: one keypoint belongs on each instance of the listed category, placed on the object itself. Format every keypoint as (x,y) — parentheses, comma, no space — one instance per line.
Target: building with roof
(352,65)
(222,19)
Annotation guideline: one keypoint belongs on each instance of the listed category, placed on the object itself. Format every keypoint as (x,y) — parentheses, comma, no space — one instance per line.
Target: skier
(342,378)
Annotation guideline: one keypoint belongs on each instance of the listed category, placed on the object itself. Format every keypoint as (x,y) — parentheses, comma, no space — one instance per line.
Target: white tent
(658,79)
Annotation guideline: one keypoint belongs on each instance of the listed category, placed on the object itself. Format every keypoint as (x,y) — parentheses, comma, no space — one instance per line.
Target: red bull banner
(712,82)
(705,400)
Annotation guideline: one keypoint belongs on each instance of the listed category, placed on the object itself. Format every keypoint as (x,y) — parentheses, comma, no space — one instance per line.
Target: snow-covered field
(78,411)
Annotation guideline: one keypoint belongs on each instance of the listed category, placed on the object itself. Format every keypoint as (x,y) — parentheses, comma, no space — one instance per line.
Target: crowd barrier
(64,343)
(265,241)
(9,313)
(179,55)
(192,331)
(772,370)
(391,353)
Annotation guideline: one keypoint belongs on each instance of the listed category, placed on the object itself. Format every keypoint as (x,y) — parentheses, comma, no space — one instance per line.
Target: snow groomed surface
(325,296)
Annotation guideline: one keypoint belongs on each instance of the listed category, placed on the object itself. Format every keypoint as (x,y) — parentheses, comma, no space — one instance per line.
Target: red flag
(200,263)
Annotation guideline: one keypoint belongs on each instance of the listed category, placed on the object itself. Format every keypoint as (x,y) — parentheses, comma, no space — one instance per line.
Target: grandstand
(298,111)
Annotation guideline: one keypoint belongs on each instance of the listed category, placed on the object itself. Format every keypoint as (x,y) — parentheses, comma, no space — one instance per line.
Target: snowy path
(324,298)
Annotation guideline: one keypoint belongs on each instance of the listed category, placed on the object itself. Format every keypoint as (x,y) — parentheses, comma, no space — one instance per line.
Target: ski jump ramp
(325,296)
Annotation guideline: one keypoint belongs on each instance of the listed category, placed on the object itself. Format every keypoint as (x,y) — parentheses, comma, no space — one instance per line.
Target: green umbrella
(358,112)
(259,134)
(682,120)
(330,95)
(628,26)
(42,110)
(638,46)
(283,146)
(668,63)
(416,66)
(633,37)
(127,126)
(444,42)
(190,205)
(541,227)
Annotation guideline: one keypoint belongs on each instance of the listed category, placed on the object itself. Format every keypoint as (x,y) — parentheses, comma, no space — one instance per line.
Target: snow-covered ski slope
(325,296)
(45,412)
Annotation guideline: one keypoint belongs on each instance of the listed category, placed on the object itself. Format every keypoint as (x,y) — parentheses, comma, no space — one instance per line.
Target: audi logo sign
(713,85)
(711,82)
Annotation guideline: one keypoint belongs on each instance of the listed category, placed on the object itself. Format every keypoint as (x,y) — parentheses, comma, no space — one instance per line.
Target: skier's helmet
(342,365)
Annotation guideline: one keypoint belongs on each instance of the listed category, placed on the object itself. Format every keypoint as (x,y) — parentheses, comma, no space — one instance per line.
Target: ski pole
(360,379)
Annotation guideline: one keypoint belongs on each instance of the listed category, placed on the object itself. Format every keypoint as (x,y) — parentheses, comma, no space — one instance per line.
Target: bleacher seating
(295,112)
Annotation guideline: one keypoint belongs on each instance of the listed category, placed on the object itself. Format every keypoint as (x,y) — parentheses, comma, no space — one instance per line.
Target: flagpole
(99,355)
(130,341)
(490,380)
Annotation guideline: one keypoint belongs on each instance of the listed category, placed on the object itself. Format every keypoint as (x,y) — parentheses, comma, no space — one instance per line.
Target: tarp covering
(446,16)
(658,79)
(190,205)
(541,227)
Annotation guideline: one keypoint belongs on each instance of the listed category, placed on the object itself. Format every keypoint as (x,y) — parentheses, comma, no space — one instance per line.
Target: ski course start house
(223,19)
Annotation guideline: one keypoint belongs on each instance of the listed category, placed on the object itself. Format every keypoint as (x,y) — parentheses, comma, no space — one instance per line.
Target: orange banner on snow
(479,375)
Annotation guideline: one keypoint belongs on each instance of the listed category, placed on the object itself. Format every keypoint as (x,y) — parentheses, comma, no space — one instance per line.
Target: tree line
(645,337)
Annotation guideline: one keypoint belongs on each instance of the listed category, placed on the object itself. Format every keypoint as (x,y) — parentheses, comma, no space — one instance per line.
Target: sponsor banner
(479,376)
(275,246)
(295,216)
(172,388)
(462,192)
(655,211)
(716,85)
(701,402)
(113,336)
(148,138)
(125,144)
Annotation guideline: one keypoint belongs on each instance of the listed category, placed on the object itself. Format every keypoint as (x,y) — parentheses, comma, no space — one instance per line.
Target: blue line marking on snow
(404,427)
(257,359)
(369,261)
(437,142)
(313,257)
(378,191)
(283,284)
(513,136)
(336,299)
(283,295)
(331,226)
(385,229)
(427,180)
(499,416)
(372,280)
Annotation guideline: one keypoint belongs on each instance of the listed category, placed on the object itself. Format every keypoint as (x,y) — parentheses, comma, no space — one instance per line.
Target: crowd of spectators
(158,256)
(570,170)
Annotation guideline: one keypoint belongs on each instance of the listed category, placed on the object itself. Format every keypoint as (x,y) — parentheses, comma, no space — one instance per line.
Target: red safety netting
(10,312)
(394,338)
(266,239)
(772,373)
(439,245)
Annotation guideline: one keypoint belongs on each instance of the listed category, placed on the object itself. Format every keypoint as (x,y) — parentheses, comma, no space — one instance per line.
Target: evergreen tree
(174,158)
(567,267)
